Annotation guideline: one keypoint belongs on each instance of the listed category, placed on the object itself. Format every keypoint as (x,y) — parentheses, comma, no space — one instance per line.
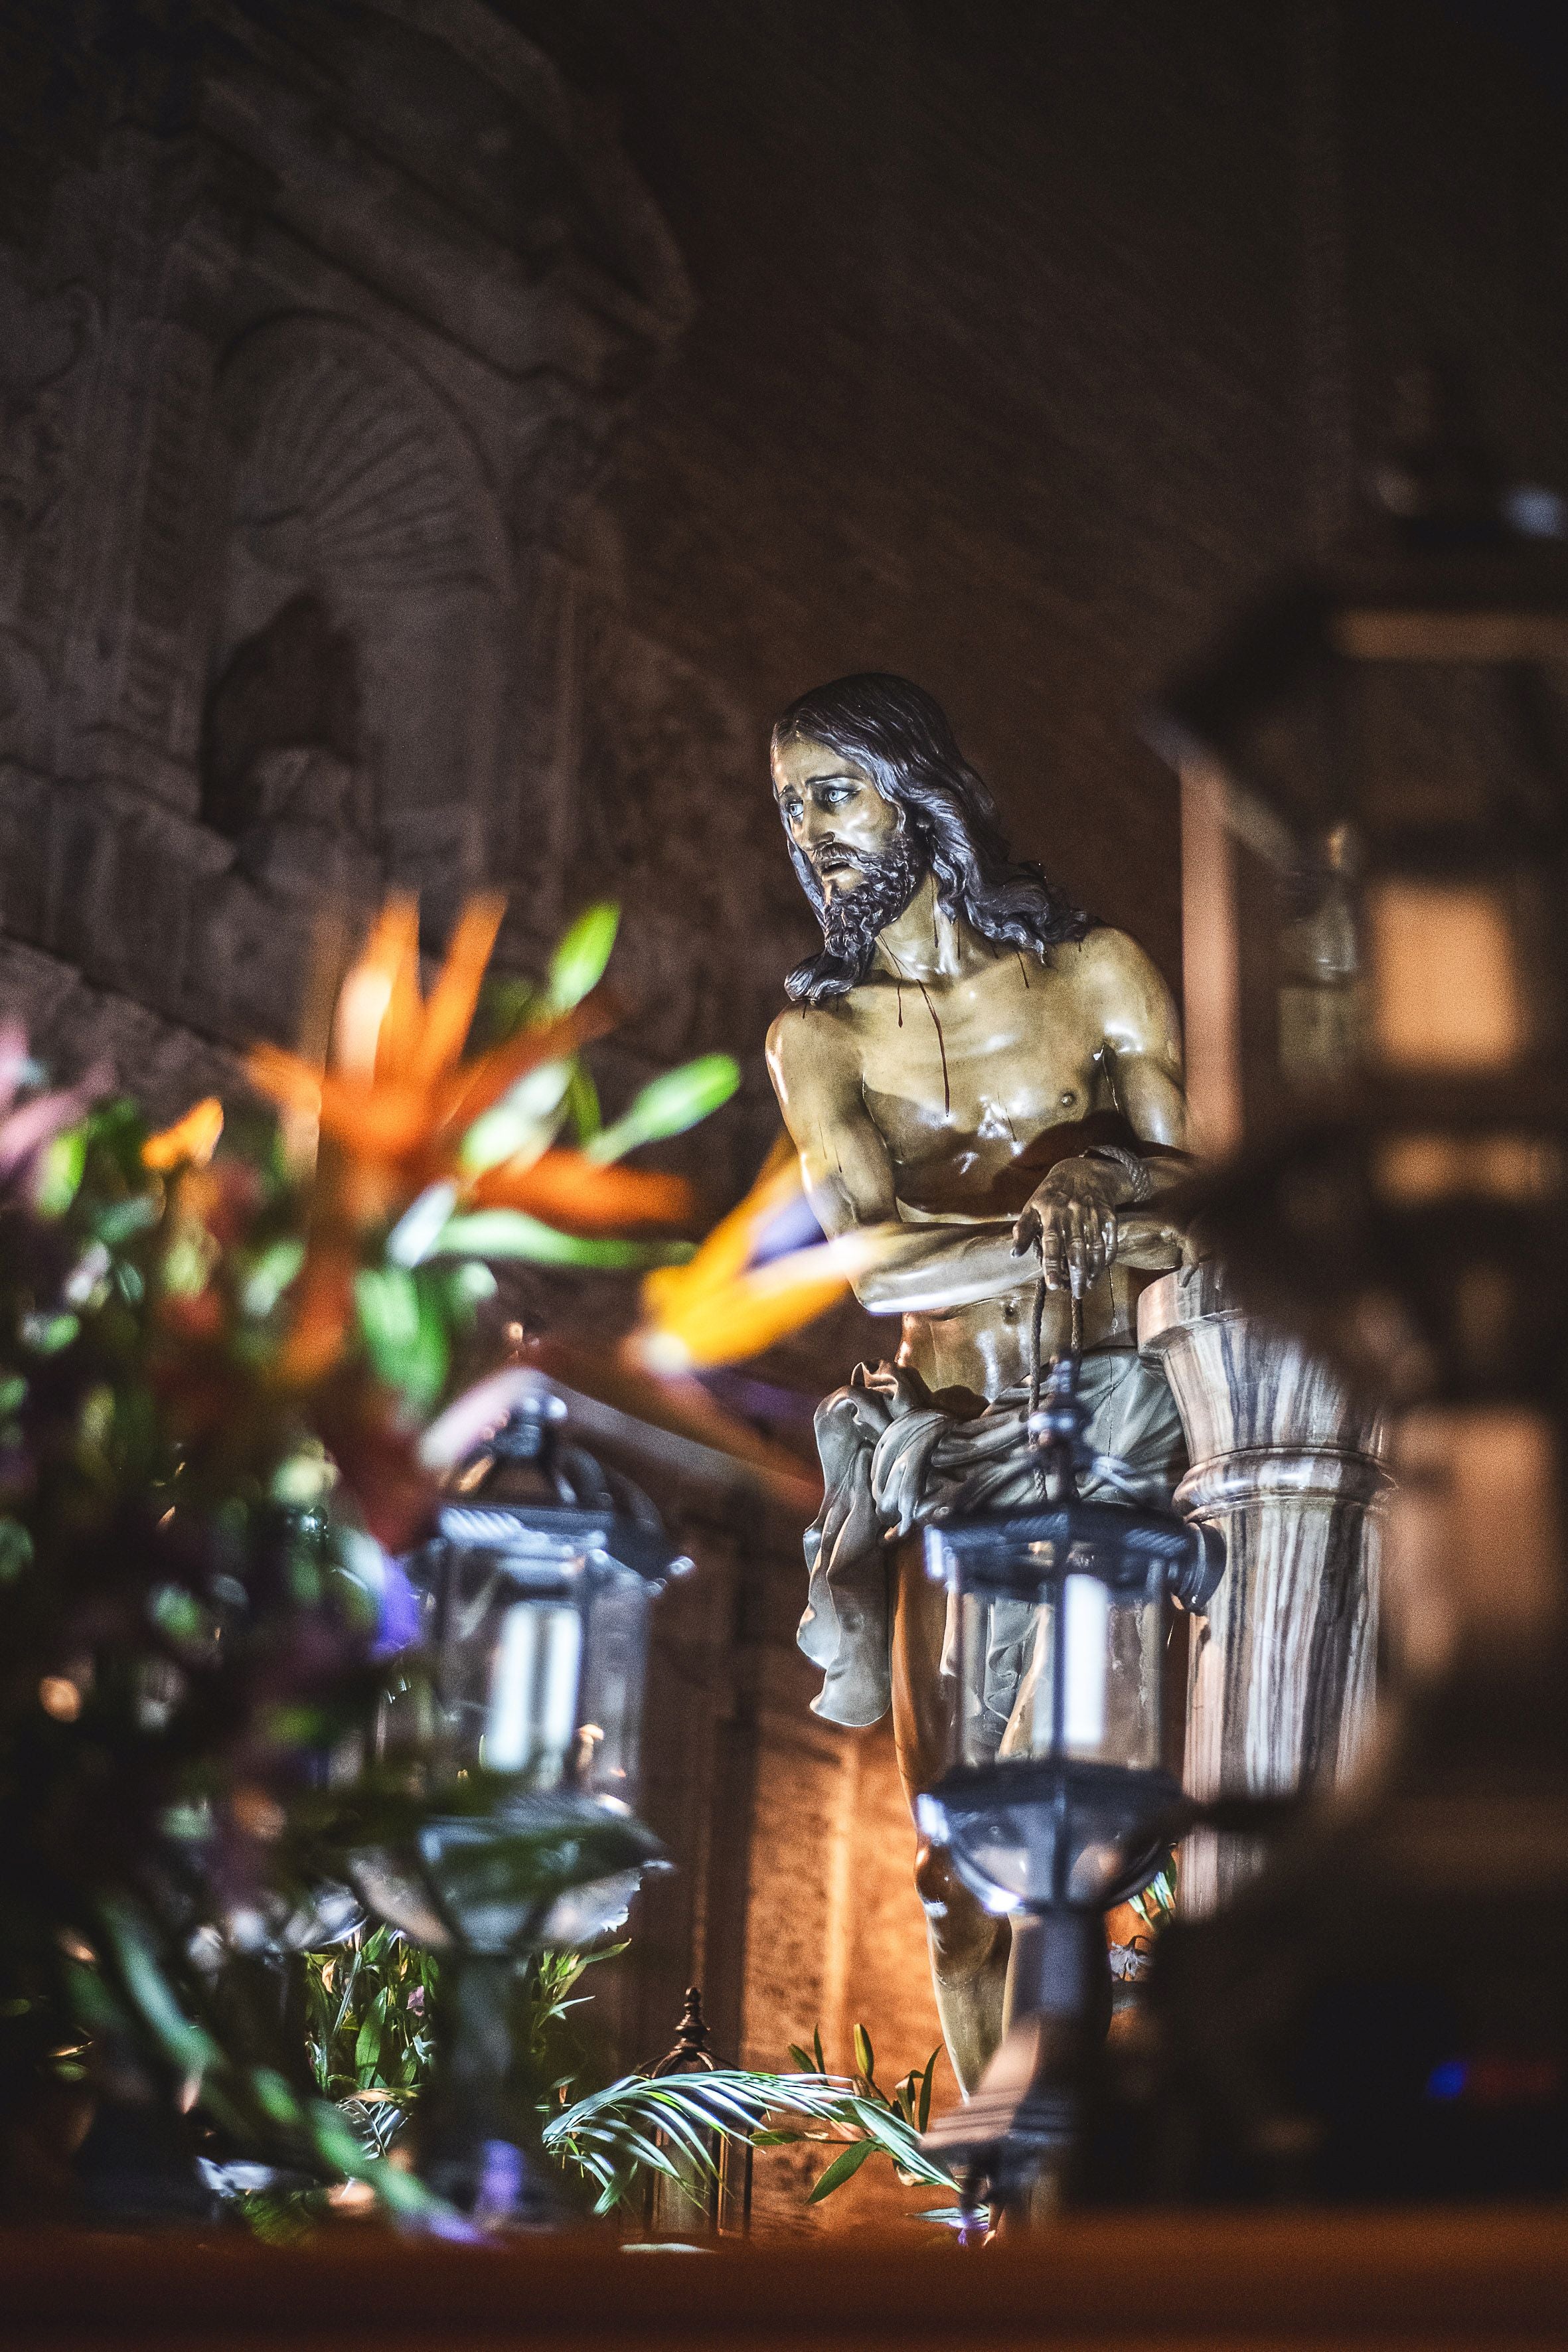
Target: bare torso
(938,1094)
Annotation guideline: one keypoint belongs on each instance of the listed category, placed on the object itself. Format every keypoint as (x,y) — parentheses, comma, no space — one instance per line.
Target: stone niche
(302,386)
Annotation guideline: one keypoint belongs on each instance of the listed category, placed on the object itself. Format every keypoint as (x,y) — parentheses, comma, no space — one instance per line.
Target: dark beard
(852,921)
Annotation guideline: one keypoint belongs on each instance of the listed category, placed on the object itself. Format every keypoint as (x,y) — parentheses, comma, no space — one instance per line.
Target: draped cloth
(892,1455)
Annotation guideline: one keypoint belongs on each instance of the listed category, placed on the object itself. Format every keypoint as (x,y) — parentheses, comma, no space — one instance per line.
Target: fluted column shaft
(1289,1469)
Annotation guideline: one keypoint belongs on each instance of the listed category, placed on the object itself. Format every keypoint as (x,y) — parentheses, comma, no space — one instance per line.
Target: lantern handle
(1037,1325)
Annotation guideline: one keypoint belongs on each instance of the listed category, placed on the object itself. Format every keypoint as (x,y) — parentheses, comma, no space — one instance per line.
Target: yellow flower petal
(723,1254)
(190,1141)
(726,1321)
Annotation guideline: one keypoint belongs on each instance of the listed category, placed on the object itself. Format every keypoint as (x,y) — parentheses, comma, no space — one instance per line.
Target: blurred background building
(437,437)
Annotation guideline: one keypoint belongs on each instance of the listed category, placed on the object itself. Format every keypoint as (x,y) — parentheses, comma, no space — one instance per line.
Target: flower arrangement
(226,1365)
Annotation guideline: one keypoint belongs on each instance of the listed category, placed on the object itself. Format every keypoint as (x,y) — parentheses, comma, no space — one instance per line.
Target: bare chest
(966,1081)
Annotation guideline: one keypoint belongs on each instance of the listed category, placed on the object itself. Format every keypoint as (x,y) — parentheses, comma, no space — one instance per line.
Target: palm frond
(668,2123)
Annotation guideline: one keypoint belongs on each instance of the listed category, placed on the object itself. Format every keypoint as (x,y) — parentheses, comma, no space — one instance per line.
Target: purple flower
(397,1623)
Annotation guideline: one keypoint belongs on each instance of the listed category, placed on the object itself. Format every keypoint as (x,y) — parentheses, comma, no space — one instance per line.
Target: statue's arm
(1089,1210)
(1142,1048)
(848,1181)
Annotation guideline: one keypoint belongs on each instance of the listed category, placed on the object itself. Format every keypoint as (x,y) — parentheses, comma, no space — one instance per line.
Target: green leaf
(865,2058)
(48,1334)
(508,1233)
(842,2169)
(92,2003)
(16,1550)
(178,1613)
(271,1276)
(117,1224)
(367,2046)
(582,1105)
(816,2046)
(419,1228)
(886,2126)
(388,1307)
(61,1169)
(803,2059)
(578,963)
(668,1106)
(403,1332)
(274,2096)
(926,2081)
(190,2046)
(524,1119)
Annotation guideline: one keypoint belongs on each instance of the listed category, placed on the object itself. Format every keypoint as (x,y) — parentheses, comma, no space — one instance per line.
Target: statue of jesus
(994,1079)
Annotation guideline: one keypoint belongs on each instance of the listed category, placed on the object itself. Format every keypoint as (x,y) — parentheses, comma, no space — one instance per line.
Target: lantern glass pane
(510,1662)
(532,1713)
(1105,1702)
(1448,990)
(610,1715)
(1032,1850)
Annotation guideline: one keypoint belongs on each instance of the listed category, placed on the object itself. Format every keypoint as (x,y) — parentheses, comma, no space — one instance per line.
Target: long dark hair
(900,738)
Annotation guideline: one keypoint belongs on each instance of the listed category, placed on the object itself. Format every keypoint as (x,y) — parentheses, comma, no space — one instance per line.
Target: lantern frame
(1061,1798)
(583,1541)
(546,1851)
(1291,796)
(727,2208)
(1047,1809)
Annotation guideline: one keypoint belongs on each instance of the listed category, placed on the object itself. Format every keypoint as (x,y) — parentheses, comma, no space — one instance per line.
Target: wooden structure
(1313,2281)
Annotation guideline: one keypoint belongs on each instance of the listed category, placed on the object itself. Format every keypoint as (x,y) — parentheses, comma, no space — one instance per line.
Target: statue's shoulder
(810,1042)
(1121,984)
(1104,959)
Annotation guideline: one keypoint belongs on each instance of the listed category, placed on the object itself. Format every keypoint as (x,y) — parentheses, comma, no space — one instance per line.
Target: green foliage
(1157,1905)
(667,2124)
(871,2121)
(511,1233)
(368,2025)
(578,963)
(668,1106)
(191,1598)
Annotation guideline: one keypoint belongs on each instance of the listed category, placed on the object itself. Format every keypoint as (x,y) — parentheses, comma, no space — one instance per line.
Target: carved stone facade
(303,378)
(315,324)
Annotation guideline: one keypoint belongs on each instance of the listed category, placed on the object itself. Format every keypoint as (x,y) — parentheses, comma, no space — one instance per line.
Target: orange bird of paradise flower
(397,1101)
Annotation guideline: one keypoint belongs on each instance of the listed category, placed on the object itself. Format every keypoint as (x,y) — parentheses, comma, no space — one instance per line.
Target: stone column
(1290,1468)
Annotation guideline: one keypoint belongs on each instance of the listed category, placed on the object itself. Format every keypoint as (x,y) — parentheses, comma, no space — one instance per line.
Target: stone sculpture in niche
(976,1066)
(366,551)
(279,767)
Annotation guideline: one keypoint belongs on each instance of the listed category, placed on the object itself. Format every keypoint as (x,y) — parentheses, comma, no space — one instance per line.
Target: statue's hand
(1071,1219)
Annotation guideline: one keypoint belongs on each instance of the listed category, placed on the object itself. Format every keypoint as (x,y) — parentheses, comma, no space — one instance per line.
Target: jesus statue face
(834,815)
(857,845)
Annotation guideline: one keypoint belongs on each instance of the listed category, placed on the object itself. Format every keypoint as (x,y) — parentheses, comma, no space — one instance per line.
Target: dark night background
(1030,336)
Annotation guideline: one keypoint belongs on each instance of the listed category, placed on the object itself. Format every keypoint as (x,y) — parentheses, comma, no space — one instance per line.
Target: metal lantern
(1376,787)
(515,1730)
(1373,764)
(725,2207)
(1060,1806)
